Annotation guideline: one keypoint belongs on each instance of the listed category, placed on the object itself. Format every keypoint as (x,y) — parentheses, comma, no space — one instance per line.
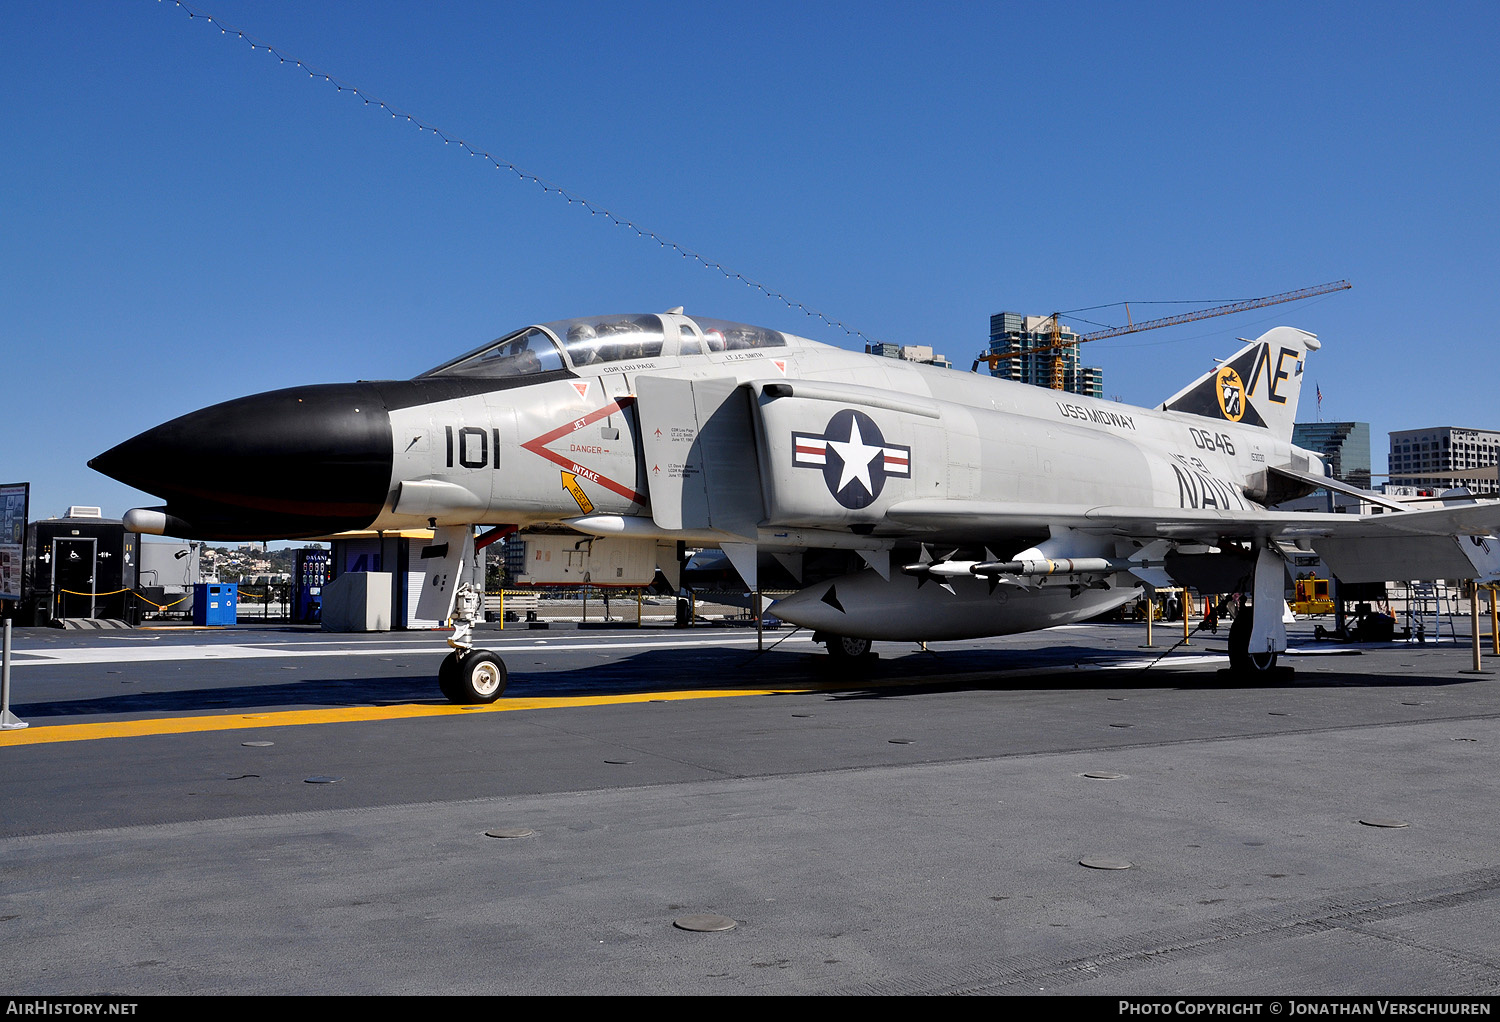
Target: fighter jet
(905,501)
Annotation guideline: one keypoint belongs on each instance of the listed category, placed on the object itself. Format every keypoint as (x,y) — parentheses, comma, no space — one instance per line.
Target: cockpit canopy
(592,340)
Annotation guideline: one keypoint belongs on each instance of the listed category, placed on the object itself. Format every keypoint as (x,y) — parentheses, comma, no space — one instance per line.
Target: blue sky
(186,220)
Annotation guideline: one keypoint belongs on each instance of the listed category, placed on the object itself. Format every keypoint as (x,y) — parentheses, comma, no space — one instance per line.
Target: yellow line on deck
(47,734)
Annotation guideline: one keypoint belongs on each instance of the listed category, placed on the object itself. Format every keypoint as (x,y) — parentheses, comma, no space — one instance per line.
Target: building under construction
(1041,351)
(1018,337)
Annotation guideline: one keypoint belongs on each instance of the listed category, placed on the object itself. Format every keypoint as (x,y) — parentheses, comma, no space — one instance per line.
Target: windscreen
(522,353)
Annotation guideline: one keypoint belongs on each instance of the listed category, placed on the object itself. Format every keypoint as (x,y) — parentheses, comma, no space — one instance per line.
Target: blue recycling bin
(216,603)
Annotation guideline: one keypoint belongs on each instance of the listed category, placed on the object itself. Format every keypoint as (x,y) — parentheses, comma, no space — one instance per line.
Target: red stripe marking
(538,445)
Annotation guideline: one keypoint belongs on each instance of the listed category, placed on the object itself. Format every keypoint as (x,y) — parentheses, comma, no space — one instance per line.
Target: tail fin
(1257,387)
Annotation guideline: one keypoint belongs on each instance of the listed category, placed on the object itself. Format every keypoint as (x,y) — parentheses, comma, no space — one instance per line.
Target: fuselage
(512,456)
(548,426)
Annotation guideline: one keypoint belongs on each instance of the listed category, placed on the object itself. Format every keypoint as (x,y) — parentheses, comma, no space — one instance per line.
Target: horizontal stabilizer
(1338,486)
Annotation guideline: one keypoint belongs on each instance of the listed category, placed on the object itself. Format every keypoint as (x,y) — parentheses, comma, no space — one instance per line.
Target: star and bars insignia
(854,457)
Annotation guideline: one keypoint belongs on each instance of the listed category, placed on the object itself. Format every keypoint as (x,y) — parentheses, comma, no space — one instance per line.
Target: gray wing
(1450,542)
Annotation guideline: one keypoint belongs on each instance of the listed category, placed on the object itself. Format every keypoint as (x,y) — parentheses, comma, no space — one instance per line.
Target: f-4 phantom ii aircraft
(908,502)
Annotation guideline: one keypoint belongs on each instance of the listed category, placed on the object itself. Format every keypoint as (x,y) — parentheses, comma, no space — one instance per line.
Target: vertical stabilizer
(1257,387)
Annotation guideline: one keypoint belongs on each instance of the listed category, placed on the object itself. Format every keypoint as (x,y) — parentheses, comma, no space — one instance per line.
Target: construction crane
(1058,345)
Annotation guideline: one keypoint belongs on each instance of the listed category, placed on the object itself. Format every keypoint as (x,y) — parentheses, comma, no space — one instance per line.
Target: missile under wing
(900,501)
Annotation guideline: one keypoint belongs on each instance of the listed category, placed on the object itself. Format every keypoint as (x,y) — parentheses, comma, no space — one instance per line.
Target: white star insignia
(857,456)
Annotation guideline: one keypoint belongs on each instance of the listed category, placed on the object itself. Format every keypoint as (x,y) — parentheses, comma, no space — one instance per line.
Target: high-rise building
(1011,332)
(1090,381)
(1446,450)
(1345,446)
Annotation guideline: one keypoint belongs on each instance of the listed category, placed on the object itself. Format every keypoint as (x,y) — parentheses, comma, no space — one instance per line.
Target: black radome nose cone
(299,462)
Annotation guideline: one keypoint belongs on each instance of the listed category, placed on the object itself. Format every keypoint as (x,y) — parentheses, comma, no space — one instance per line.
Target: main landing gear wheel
(1241,660)
(847,656)
(846,647)
(476,676)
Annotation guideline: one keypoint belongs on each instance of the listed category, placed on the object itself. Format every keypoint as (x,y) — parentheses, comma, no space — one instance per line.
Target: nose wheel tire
(476,676)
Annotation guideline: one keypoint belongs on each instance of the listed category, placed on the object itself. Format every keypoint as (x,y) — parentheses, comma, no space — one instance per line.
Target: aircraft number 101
(472,447)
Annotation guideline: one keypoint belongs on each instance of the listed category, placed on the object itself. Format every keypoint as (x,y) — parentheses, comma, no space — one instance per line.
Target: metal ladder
(1425,614)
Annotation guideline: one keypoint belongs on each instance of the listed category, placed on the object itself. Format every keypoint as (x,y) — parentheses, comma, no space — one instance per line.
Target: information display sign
(14,498)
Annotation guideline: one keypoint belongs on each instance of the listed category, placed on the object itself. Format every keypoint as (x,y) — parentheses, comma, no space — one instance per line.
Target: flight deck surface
(264,810)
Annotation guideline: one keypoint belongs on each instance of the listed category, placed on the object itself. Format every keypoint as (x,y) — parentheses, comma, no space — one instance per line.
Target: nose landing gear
(452,590)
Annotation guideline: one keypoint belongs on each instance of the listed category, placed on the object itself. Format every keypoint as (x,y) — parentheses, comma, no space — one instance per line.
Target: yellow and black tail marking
(1257,387)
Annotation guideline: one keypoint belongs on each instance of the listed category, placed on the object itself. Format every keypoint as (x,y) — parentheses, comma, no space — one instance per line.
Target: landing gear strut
(469,675)
(1241,660)
(452,591)
(1258,633)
